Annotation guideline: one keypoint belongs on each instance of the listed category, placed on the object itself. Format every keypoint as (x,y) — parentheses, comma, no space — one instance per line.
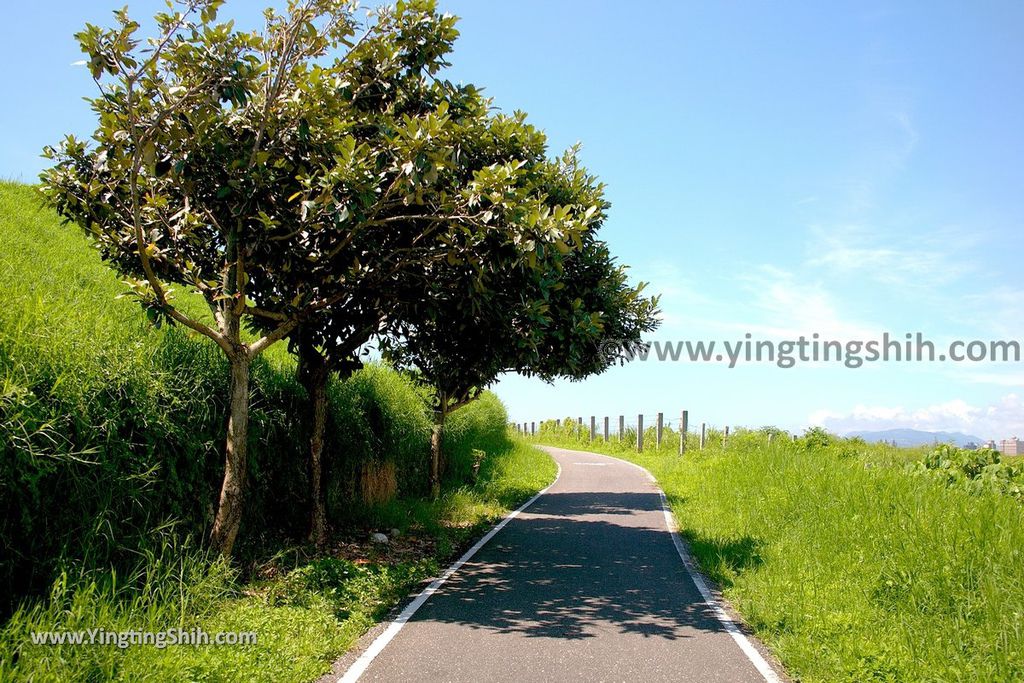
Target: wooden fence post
(703,434)
(593,427)
(684,420)
(725,437)
(658,432)
(640,433)
(622,426)
(533,429)
(606,429)
(770,435)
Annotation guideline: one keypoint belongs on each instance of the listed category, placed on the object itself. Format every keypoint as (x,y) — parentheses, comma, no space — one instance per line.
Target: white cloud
(785,306)
(1000,420)
(1000,309)
(912,261)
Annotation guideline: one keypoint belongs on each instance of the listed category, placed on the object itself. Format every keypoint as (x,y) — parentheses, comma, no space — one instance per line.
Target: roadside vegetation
(110,464)
(852,561)
(306,606)
(193,435)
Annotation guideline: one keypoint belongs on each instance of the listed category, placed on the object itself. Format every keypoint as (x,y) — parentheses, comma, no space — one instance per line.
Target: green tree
(272,172)
(550,311)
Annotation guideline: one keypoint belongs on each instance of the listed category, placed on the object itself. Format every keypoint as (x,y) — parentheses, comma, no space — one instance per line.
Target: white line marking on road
(755,657)
(359,667)
(752,653)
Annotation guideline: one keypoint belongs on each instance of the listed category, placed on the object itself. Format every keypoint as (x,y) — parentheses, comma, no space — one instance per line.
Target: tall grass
(849,565)
(113,430)
(304,618)
(110,461)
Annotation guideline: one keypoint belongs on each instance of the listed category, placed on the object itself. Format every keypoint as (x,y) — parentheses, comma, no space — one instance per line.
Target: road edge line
(364,660)
(762,665)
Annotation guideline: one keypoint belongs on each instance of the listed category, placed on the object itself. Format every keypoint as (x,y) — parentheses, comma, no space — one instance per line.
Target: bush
(974,471)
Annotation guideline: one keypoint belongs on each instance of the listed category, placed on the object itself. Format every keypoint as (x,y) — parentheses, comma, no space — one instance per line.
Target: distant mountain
(916,437)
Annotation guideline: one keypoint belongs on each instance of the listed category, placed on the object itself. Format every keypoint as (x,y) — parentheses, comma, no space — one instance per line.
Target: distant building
(990,444)
(1012,446)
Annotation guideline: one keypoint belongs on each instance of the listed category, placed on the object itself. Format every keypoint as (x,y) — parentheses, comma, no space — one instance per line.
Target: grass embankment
(111,438)
(849,561)
(307,613)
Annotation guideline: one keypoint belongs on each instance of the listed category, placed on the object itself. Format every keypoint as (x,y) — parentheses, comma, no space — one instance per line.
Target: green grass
(849,565)
(110,459)
(305,616)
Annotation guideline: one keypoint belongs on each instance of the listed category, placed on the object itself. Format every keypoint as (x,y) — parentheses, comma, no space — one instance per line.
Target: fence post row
(684,419)
(530,429)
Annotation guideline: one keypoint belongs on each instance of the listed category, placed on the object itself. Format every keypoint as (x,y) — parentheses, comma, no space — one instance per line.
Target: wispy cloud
(999,309)
(918,259)
(782,304)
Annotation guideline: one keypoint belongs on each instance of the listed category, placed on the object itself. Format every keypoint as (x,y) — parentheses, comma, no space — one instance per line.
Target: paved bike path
(586,584)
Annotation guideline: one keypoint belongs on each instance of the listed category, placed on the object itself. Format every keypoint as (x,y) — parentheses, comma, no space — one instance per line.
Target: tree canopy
(297,176)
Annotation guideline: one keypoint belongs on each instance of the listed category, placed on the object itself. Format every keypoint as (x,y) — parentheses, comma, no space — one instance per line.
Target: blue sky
(780,169)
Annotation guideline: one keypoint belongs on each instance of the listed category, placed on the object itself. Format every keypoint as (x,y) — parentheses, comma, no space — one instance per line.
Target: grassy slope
(71,354)
(847,566)
(304,617)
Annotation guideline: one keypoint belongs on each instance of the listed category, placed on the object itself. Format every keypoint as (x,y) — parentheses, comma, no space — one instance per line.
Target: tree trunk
(229,511)
(436,437)
(317,388)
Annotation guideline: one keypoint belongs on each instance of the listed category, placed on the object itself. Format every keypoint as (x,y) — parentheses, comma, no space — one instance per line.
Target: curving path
(585,584)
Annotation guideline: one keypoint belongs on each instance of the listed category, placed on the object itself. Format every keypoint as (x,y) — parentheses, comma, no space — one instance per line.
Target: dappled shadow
(574,566)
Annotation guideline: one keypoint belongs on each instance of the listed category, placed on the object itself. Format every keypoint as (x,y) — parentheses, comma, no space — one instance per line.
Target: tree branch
(282,331)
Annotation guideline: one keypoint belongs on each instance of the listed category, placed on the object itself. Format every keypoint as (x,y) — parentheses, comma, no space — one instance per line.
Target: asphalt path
(585,584)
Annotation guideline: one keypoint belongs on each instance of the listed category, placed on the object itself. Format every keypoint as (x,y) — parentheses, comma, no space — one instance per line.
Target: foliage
(304,618)
(981,470)
(109,427)
(291,187)
(815,438)
(538,309)
(482,425)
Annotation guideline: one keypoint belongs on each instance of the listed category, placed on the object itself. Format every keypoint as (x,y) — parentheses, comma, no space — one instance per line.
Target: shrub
(973,470)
